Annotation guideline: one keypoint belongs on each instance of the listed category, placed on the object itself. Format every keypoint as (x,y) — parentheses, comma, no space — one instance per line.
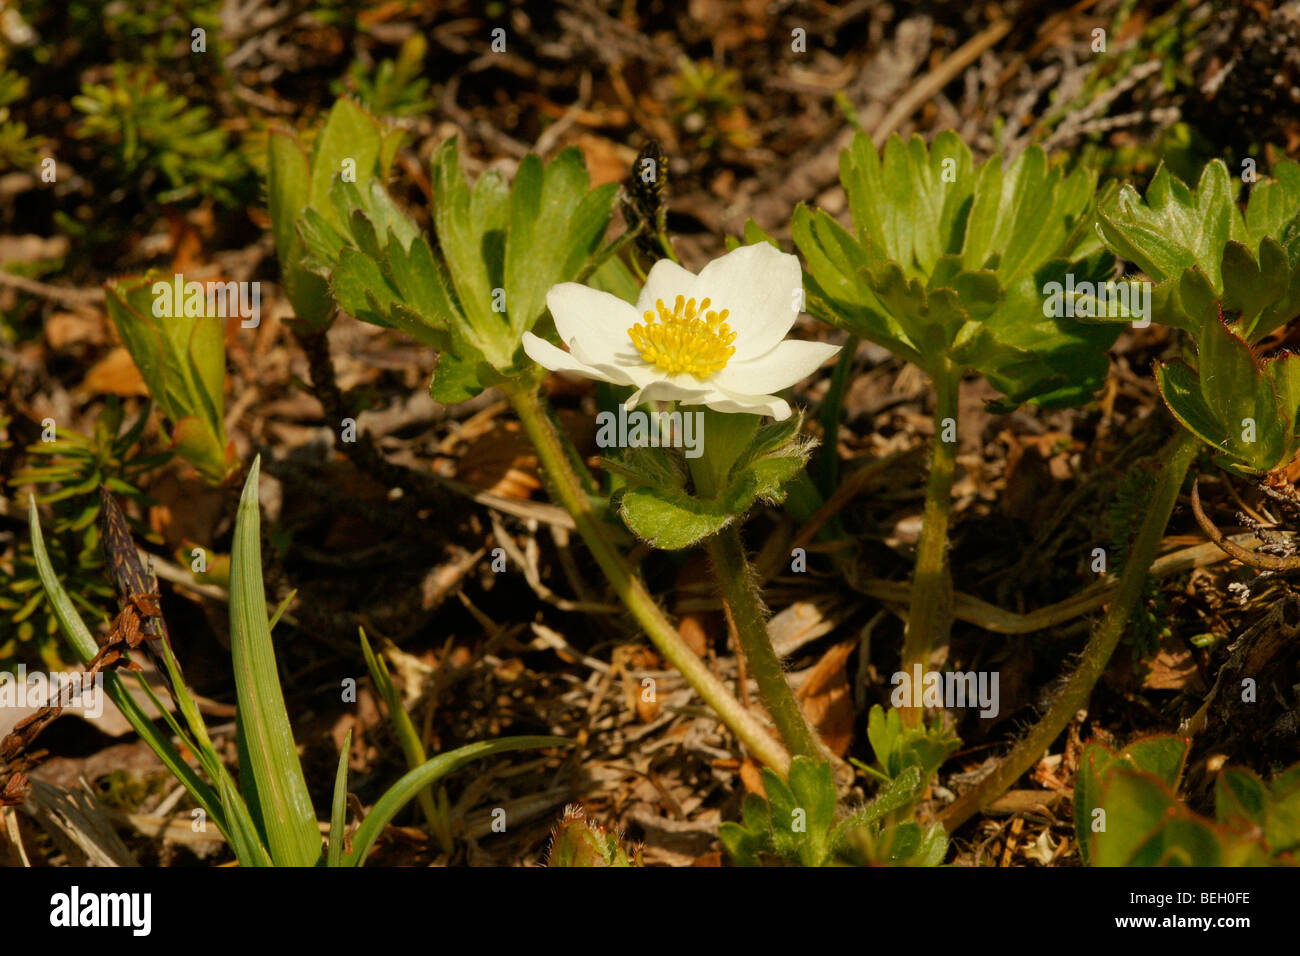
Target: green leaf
(456,380)
(949,263)
(894,796)
(671,520)
(402,792)
(555,226)
(288,194)
(1146,825)
(1161,757)
(1239,794)
(272,776)
(471,236)
(339,806)
(1181,390)
(181,358)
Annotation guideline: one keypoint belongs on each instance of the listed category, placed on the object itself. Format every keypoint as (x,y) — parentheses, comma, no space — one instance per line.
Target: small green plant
(798,824)
(1225,280)
(1127,811)
(898,746)
(577,841)
(392,87)
(706,105)
(267,816)
(948,268)
(73,466)
(18,150)
(156,141)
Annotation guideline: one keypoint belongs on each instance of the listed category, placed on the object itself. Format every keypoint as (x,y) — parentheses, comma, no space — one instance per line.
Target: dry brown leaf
(500,461)
(827,698)
(115,374)
(607,161)
(73,328)
(752,777)
(1173,668)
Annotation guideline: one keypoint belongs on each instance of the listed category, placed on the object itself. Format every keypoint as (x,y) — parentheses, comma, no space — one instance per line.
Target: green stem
(565,485)
(828,456)
(745,611)
(1175,459)
(929,614)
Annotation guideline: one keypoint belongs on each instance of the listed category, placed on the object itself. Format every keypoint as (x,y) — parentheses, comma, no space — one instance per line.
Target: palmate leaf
(555,226)
(499,250)
(948,265)
(1247,410)
(1175,228)
(351,141)
(1205,255)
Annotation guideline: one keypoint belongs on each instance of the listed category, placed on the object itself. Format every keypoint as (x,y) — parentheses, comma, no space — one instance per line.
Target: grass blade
(270,772)
(407,736)
(401,793)
(339,810)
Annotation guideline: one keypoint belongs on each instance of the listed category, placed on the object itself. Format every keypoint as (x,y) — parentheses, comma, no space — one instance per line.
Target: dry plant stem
(363,452)
(1175,460)
(745,612)
(565,485)
(929,614)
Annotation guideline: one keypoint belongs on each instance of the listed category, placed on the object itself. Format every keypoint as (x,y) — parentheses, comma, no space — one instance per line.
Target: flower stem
(566,487)
(745,611)
(1174,461)
(929,614)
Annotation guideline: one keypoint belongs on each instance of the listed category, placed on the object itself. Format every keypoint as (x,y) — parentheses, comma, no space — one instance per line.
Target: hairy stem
(929,614)
(566,487)
(1174,461)
(745,612)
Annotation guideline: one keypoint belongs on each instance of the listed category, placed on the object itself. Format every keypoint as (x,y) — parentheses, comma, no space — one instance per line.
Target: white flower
(716,339)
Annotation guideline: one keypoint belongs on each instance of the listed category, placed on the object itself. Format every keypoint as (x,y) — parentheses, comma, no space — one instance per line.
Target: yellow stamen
(686,339)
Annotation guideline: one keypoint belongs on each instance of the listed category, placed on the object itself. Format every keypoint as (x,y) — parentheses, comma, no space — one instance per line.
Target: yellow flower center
(686,339)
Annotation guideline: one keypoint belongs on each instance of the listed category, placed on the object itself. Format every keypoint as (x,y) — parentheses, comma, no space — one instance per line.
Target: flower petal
(667,390)
(667,280)
(791,361)
(596,319)
(758,284)
(732,403)
(557,360)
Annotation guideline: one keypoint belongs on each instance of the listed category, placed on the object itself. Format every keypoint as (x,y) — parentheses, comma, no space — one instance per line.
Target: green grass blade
(270,772)
(339,810)
(242,835)
(407,736)
(401,793)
